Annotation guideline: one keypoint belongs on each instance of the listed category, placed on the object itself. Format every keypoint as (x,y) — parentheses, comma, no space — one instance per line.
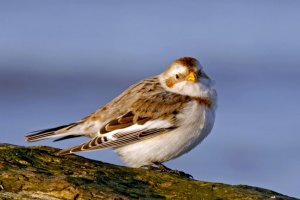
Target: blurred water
(61,60)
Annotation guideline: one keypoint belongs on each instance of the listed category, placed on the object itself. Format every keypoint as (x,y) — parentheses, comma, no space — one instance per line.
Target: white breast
(195,123)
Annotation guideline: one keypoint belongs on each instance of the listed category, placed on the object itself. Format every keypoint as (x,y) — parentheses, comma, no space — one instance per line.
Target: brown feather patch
(112,127)
(123,122)
(170,82)
(187,61)
(126,118)
(203,101)
(142,120)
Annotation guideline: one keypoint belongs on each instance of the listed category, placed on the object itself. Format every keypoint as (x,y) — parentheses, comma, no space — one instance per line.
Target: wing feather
(143,102)
(120,140)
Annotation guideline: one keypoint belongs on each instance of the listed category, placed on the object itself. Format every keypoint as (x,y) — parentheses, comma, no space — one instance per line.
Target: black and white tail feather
(114,139)
(64,131)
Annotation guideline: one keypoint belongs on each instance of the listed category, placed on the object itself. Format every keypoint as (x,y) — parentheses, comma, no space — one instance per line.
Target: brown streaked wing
(121,140)
(123,122)
(143,100)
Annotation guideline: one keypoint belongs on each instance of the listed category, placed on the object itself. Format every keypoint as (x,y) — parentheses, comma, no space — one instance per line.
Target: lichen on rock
(38,173)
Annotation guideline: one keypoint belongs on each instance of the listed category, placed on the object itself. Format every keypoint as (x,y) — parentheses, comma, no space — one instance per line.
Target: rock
(38,173)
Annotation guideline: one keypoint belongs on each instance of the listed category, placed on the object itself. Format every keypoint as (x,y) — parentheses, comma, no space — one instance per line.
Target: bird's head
(184,76)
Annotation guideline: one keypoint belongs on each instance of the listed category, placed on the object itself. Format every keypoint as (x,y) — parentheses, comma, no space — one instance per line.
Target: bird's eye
(177,76)
(199,73)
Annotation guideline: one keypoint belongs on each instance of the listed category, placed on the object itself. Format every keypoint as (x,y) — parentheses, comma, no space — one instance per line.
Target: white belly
(196,123)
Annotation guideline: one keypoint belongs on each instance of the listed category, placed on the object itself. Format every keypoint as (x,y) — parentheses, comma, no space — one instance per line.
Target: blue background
(61,60)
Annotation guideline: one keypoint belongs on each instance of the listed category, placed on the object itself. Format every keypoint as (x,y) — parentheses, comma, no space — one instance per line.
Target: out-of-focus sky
(61,60)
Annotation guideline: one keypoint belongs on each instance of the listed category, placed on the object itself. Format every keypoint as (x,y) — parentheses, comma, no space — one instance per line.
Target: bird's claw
(178,173)
(161,168)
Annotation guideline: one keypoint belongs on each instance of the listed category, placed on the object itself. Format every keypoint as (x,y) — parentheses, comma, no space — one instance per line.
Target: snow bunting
(153,121)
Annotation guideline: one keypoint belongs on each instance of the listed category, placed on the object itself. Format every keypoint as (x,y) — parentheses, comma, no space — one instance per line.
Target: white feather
(147,126)
(196,122)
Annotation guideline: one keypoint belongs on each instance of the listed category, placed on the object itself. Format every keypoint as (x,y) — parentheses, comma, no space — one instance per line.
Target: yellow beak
(192,77)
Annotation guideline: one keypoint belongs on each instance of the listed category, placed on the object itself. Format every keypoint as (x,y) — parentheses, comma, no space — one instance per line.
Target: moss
(38,173)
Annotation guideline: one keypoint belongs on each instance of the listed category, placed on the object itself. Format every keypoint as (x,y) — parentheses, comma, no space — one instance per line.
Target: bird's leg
(163,168)
(150,167)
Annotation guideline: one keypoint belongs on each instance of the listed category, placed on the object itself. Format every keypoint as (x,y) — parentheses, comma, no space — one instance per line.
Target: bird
(155,120)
